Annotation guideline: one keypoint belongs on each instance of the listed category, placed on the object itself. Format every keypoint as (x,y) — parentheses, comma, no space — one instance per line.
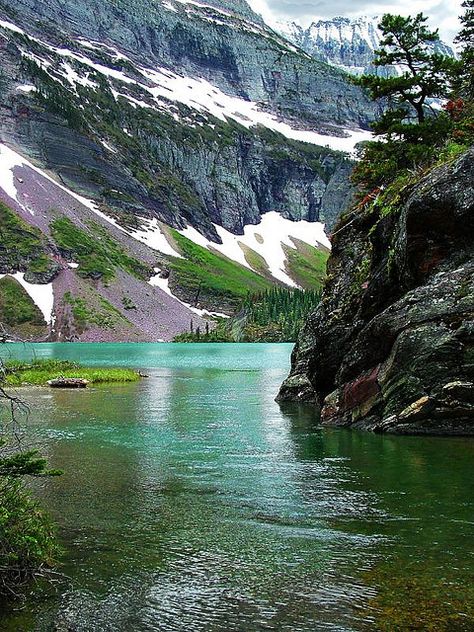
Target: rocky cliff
(391,347)
(162,134)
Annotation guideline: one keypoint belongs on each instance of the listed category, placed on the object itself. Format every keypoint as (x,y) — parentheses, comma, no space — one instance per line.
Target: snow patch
(73,77)
(27,88)
(152,235)
(8,161)
(163,284)
(267,239)
(11,27)
(109,147)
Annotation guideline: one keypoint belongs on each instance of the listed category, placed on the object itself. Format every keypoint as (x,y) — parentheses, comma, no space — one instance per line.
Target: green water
(192,501)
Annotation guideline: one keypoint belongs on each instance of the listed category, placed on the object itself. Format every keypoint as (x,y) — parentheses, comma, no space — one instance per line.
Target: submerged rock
(391,347)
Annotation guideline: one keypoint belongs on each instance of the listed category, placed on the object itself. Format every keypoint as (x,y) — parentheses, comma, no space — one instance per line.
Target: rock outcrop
(391,348)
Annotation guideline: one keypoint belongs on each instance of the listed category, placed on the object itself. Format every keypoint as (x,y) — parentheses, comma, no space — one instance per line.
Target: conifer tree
(407,44)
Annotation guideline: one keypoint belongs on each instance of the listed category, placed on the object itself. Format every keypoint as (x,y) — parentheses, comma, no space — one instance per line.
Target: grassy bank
(38,372)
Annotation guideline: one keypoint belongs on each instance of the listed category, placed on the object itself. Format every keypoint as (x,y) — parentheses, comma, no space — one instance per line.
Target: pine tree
(412,136)
(407,44)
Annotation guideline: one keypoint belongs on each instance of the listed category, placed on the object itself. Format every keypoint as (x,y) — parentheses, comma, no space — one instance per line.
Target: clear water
(192,501)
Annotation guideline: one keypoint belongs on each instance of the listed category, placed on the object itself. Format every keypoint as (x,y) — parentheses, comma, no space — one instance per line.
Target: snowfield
(266,239)
(165,86)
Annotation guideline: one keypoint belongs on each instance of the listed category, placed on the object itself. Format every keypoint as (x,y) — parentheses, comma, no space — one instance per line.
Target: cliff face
(391,347)
(225,43)
(172,107)
(161,133)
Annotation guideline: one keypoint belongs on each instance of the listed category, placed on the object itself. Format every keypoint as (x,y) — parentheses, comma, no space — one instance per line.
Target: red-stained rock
(360,390)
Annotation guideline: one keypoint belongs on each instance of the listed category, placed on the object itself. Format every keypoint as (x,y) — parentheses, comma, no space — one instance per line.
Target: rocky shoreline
(391,348)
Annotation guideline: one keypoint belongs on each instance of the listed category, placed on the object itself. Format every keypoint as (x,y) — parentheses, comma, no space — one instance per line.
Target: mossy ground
(306,265)
(21,245)
(213,275)
(96,311)
(256,261)
(97,254)
(18,311)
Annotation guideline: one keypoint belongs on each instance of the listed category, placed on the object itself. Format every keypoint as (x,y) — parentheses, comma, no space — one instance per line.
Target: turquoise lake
(191,501)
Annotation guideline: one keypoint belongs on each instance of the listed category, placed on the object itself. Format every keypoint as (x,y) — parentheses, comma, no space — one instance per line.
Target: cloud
(442,14)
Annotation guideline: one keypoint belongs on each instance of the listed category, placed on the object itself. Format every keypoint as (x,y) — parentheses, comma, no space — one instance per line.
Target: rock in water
(391,347)
(68,382)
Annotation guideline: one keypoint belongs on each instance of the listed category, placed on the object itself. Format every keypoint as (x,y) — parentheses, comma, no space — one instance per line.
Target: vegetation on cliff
(22,247)
(413,130)
(18,311)
(97,254)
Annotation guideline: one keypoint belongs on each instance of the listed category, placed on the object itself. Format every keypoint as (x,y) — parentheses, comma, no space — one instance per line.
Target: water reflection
(192,501)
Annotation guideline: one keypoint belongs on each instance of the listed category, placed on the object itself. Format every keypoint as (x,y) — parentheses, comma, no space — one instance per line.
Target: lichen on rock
(395,353)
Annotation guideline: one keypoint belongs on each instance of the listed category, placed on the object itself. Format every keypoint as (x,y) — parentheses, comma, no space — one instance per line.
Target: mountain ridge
(346,43)
(128,128)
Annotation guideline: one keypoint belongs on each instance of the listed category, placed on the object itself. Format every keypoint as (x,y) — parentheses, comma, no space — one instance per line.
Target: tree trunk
(420,111)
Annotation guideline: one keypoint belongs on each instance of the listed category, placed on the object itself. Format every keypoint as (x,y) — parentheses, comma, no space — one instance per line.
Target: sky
(442,14)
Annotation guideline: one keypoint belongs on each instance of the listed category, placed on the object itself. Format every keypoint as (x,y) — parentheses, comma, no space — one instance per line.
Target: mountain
(391,347)
(160,160)
(348,44)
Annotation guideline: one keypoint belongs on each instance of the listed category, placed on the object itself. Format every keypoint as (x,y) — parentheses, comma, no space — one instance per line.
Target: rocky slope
(172,106)
(391,347)
(347,43)
(182,152)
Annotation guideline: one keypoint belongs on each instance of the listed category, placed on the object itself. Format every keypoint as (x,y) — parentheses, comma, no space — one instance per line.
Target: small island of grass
(39,372)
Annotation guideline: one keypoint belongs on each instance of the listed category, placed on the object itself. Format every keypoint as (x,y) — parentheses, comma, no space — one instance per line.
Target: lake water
(192,502)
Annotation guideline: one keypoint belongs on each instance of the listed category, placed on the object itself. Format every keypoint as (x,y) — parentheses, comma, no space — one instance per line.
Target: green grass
(306,265)
(38,372)
(21,244)
(97,254)
(215,276)
(16,307)
(106,316)
(255,261)
(18,311)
